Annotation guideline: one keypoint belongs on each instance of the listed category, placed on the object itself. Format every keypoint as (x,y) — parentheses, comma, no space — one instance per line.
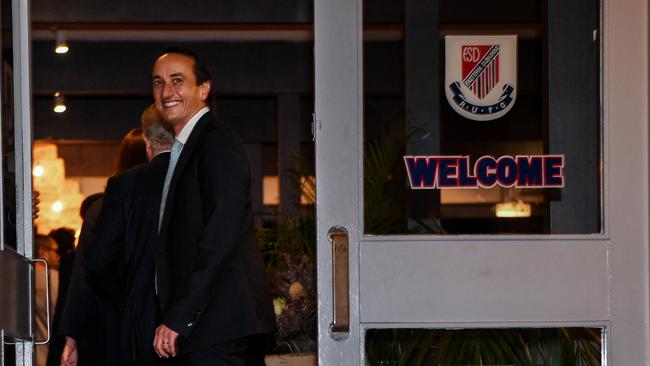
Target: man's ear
(146,140)
(204,89)
(148,148)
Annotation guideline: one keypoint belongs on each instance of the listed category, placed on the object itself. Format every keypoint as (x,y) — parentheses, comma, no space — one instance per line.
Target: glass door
(476,181)
(16,226)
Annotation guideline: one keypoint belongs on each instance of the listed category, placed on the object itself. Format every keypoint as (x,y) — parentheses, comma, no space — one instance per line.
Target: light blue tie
(173,158)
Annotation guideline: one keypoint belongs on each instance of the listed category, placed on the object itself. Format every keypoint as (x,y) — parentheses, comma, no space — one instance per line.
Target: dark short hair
(87,202)
(64,237)
(201,69)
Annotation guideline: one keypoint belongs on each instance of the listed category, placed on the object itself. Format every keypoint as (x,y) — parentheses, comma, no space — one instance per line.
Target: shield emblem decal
(481,75)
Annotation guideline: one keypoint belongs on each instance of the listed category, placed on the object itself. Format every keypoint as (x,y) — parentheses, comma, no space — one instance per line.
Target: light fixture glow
(38,171)
(61,49)
(59,103)
(61,45)
(513,209)
(57,206)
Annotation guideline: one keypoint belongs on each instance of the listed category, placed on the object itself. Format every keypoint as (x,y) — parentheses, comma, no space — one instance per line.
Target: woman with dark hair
(131,151)
(88,323)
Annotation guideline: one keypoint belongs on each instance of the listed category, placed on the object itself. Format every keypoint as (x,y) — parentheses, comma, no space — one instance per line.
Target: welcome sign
(456,172)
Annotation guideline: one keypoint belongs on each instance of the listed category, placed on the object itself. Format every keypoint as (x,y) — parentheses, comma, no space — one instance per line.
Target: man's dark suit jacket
(120,262)
(212,285)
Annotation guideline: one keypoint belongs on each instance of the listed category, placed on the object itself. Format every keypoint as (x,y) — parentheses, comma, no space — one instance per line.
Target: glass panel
(531,346)
(484,121)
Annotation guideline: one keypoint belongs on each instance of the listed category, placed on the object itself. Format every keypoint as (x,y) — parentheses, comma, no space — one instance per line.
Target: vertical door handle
(340,326)
(47,300)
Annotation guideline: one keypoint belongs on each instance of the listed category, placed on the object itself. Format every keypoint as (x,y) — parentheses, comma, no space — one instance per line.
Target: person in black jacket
(120,261)
(64,237)
(212,287)
(88,322)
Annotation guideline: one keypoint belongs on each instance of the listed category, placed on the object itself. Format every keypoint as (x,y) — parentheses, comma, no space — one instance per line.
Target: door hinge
(315,125)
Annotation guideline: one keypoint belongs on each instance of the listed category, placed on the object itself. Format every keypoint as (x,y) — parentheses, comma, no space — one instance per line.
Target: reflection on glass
(530,346)
(555,113)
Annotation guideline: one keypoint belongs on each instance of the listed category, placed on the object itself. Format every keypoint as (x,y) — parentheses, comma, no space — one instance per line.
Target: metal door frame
(23,160)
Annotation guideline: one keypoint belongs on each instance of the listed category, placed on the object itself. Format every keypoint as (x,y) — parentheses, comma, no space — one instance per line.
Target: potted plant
(289,249)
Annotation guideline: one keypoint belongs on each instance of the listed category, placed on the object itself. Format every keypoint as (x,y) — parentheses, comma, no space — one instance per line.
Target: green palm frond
(303,179)
(398,347)
(383,182)
(520,347)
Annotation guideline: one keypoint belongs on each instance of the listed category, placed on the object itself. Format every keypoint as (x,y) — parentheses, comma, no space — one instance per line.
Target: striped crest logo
(481,75)
(480,68)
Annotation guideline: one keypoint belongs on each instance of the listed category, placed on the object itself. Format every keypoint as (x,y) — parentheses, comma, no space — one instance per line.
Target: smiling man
(210,278)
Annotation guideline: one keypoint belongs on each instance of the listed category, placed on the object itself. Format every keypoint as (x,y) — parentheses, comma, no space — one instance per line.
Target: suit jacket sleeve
(224,181)
(80,298)
(102,256)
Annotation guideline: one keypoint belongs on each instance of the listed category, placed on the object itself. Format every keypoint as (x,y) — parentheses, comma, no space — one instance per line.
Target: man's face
(175,91)
(48,252)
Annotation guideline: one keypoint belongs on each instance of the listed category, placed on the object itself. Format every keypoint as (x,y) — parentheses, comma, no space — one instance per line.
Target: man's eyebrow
(177,74)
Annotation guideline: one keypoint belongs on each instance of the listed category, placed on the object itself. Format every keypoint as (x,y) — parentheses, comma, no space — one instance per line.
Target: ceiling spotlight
(59,103)
(61,44)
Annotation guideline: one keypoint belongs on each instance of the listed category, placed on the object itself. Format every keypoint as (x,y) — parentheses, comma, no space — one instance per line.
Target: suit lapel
(188,148)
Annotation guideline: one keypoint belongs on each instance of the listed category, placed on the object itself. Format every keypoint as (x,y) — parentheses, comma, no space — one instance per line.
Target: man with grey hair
(120,262)
(158,134)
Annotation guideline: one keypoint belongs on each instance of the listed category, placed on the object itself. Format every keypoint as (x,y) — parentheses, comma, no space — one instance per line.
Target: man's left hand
(165,341)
